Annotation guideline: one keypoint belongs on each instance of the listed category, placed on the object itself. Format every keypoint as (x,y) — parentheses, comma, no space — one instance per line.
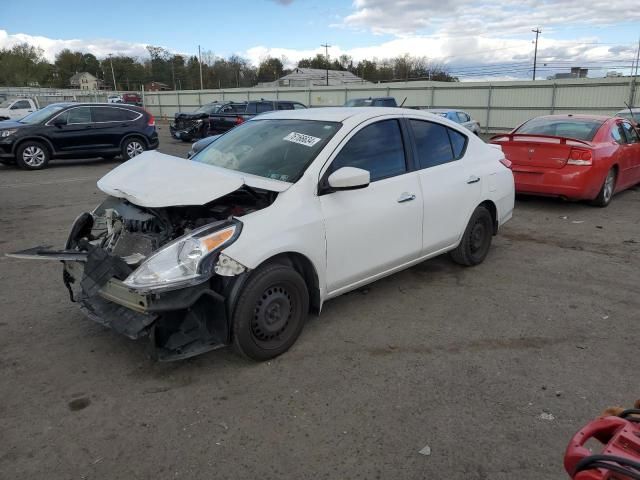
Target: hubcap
(33,156)
(608,186)
(134,148)
(272,315)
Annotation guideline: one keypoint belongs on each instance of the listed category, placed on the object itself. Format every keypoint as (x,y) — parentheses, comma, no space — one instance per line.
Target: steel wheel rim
(134,148)
(478,237)
(272,317)
(608,186)
(33,156)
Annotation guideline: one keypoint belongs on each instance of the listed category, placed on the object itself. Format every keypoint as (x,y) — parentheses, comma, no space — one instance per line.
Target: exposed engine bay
(117,238)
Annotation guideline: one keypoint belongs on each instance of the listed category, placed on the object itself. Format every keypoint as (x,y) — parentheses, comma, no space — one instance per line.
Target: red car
(578,157)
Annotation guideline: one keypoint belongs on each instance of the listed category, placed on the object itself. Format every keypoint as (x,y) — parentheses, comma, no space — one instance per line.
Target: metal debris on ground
(425,451)
(546,416)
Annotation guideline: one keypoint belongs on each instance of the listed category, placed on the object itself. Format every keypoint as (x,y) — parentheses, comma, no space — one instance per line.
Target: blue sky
(463,34)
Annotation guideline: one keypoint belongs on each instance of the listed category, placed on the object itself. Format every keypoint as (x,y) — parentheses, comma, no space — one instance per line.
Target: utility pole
(200,63)
(326,54)
(637,60)
(537,31)
(115,88)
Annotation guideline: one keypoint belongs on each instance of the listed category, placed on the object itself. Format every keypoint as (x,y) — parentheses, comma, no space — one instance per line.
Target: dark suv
(217,118)
(77,130)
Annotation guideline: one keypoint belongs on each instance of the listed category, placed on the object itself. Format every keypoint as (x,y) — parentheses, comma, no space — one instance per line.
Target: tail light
(152,120)
(580,156)
(506,163)
(239,120)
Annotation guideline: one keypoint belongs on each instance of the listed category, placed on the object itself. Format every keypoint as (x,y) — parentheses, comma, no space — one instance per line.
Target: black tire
(32,155)
(133,147)
(606,192)
(270,312)
(476,239)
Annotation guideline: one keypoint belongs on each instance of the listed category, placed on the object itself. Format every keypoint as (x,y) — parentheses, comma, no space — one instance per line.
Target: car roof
(336,114)
(576,116)
(97,104)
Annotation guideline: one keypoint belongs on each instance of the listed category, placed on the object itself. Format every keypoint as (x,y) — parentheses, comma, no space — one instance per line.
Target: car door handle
(406,197)
(473,179)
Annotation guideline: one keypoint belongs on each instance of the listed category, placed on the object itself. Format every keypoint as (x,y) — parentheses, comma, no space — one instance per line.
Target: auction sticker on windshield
(302,139)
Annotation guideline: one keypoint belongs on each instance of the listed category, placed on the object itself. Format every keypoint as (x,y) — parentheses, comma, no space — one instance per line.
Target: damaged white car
(280,214)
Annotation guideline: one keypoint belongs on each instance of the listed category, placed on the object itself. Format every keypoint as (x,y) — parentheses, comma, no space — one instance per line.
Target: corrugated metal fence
(498,106)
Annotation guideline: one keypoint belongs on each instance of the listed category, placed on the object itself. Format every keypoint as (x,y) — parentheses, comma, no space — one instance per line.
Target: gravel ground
(493,367)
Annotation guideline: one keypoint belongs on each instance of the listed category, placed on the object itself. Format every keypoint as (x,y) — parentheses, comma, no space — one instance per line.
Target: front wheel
(132,147)
(270,312)
(606,192)
(32,156)
(476,239)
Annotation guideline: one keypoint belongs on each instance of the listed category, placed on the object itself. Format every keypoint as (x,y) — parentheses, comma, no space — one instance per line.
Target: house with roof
(85,81)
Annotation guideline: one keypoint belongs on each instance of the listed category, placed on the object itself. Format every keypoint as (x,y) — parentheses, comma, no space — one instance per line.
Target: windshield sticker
(302,139)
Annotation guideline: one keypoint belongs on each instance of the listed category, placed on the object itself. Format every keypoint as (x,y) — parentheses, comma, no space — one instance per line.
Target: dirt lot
(462,360)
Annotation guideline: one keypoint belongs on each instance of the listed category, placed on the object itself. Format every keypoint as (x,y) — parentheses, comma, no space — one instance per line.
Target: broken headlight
(184,261)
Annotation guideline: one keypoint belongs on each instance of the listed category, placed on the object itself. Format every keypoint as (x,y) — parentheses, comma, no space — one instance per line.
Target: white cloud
(51,46)
(469,17)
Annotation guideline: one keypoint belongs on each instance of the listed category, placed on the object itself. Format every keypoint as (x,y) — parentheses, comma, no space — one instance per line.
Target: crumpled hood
(156,180)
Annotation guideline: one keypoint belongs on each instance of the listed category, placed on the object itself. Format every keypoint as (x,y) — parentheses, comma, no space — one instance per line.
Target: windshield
(277,149)
(578,128)
(208,109)
(41,115)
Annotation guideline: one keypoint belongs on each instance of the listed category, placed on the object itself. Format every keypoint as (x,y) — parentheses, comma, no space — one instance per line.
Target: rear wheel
(32,156)
(476,239)
(132,147)
(270,312)
(606,192)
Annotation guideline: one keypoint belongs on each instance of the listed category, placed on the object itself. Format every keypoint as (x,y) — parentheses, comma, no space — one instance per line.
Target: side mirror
(349,178)
(59,121)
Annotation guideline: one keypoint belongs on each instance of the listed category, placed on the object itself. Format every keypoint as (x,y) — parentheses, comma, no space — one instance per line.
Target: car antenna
(405,99)
(631,112)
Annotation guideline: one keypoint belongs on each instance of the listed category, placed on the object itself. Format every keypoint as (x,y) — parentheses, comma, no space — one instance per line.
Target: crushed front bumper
(179,323)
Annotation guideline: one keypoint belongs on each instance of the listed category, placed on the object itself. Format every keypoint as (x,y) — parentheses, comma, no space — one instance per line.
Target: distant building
(85,81)
(156,87)
(308,77)
(576,72)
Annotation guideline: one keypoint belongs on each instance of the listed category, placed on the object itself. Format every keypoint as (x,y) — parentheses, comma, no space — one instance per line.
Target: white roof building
(308,77)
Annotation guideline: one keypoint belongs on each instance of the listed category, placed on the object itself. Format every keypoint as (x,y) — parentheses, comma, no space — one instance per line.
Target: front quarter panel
(292,224)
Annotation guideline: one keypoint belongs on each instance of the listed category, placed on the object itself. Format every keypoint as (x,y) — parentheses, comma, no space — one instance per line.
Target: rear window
(580,129)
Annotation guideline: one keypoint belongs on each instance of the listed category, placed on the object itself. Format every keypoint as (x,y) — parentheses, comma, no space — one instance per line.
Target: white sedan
(280,214)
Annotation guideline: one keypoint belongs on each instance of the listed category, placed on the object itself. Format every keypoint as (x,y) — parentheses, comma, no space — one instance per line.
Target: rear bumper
(572,181)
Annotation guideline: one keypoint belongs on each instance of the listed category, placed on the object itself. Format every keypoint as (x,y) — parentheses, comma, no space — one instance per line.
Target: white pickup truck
(16,108)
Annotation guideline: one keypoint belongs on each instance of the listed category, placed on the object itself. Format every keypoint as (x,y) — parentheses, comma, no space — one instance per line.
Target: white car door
(372,230)
(451,183)
(21,108)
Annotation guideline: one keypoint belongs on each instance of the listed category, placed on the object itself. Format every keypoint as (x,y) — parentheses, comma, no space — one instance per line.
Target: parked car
(201,144)
(372,102)
(132,99)
(188,126)
(115,99)
(578,157)
(224,117)
(76,130)
(17,108)
(274,218)
(631,114)
(458,116)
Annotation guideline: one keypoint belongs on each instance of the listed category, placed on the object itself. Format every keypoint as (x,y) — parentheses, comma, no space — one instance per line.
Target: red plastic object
(620,437)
